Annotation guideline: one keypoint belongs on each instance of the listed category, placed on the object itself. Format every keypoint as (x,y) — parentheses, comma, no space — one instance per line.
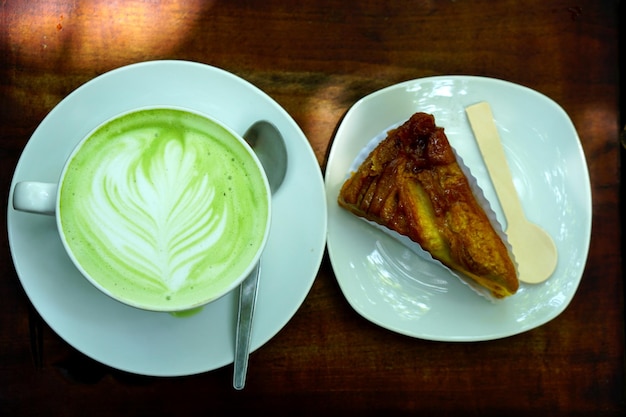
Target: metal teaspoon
(269,146)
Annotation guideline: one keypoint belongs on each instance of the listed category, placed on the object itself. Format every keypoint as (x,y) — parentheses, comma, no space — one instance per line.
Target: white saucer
(389,285)
(150,343)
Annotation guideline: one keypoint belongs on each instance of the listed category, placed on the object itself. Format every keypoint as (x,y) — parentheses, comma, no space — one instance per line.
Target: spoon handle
(490,145)
(247,301)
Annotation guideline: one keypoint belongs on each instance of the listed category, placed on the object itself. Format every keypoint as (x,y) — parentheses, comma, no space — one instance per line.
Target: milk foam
(160,207)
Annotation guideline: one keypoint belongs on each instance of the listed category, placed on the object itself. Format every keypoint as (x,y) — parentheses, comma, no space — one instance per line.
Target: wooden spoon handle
(488,139)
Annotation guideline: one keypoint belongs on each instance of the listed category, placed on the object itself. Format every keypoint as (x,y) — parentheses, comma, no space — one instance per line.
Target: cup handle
(35,197)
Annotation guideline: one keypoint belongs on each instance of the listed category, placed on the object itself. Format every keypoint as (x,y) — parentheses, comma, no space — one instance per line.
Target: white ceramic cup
(162,209)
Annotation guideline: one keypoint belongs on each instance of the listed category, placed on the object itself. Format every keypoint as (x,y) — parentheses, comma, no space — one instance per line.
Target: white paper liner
(414,246)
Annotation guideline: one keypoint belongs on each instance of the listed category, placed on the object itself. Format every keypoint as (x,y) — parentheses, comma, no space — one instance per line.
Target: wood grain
(316,59)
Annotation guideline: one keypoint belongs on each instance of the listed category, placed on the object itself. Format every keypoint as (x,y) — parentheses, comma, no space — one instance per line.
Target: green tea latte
(163,209)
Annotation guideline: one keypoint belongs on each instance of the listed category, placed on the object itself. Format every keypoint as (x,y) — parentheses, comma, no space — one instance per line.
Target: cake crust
(412,183)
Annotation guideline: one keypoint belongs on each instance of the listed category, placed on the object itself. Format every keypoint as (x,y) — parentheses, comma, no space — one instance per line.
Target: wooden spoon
(533,248)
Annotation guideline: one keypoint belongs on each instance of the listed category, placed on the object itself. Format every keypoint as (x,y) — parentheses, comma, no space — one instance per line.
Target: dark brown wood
(316,59)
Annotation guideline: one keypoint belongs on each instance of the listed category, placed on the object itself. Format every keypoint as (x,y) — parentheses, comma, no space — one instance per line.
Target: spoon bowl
(531,242)
(269,146)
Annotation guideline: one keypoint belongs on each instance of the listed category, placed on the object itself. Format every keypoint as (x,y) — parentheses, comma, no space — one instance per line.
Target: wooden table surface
(316,58)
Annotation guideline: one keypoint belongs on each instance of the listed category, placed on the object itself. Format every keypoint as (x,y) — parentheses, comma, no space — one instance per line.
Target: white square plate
(389,285)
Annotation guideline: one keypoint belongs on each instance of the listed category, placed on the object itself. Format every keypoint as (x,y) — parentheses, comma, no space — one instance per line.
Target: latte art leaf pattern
(161,215)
